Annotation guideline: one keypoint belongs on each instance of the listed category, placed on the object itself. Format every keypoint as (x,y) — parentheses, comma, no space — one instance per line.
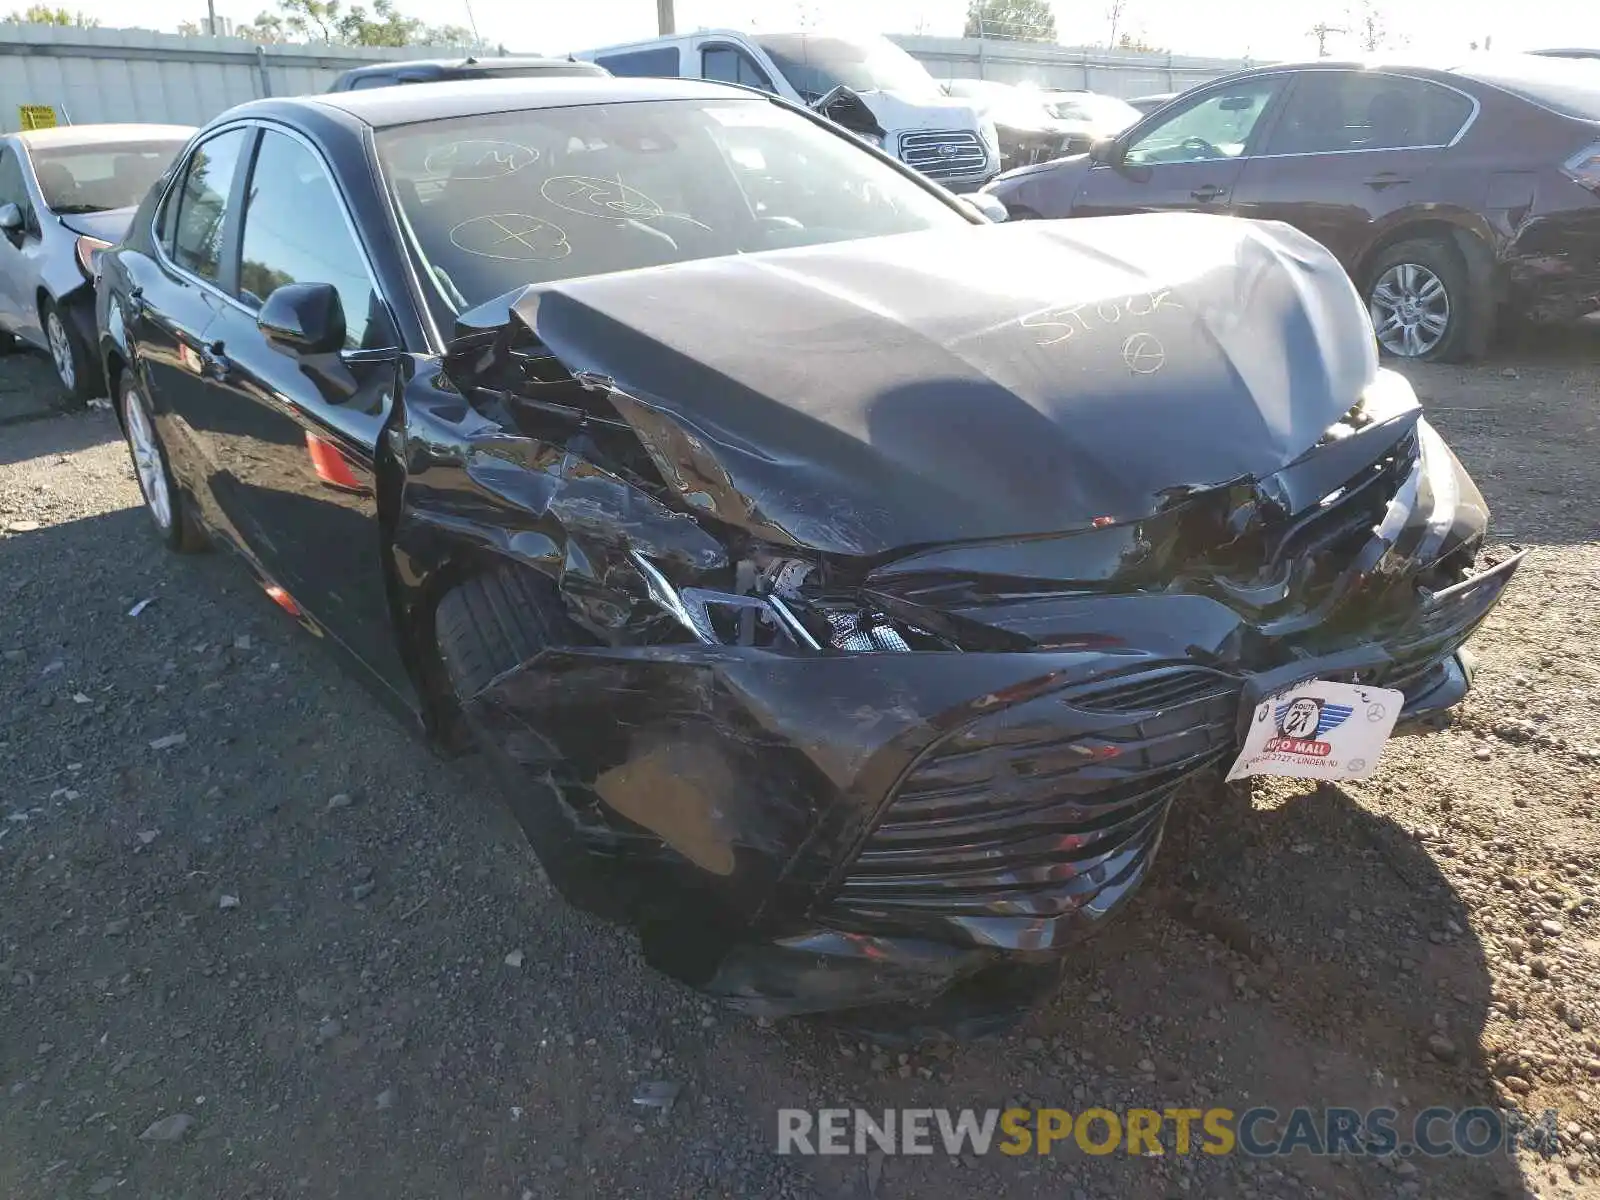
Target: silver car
(65,193)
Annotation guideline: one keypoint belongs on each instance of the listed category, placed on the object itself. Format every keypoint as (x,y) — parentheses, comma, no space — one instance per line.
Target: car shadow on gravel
(30,438)
(1303,952)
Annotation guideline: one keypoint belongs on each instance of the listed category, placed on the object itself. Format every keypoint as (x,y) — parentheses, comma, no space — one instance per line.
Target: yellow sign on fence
(37,116)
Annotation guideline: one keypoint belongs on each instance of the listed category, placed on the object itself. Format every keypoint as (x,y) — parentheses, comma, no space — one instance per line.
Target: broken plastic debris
(658,1094)
(514,959)
(146,836)
(171,740)
(228,902)
(80,698)
(141,606)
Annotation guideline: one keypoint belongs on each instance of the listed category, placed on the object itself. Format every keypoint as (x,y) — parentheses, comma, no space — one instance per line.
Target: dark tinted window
(728,65)
(295,232)
(1361,110)
(202,200)
(363,82)
(653,64)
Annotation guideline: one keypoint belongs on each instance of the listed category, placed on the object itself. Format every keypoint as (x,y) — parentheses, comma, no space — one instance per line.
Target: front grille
(1036,810)
(943,153)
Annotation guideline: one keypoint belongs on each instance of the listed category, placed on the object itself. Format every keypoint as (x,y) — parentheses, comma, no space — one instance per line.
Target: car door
(1351,152)
(174,300)
(12,191)
(1188,159)
(296,435)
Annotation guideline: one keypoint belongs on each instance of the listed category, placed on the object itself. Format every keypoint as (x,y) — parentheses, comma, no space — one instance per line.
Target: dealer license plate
(1319,730)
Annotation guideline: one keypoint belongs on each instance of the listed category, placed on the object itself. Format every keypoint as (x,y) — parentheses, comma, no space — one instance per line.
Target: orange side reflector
(283,600)
(329,464)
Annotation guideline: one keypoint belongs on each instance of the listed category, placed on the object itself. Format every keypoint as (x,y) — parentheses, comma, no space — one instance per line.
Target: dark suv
(1447,194)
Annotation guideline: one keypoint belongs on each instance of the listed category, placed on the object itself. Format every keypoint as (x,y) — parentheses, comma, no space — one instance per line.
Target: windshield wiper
(78,210)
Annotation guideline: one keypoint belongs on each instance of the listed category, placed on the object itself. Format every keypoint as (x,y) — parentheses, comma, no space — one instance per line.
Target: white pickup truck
(942,137)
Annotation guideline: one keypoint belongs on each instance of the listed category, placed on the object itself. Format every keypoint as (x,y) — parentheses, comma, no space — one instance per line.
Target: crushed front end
(824,771)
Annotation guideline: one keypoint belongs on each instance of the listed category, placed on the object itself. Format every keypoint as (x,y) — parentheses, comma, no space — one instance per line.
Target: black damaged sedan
(846,587)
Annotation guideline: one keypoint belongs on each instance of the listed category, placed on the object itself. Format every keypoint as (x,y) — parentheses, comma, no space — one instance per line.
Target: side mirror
(11,221)
(1106,150)
(989,206)
(303,318)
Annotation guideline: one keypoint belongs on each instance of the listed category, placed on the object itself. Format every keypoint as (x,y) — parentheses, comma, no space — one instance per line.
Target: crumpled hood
(984,382)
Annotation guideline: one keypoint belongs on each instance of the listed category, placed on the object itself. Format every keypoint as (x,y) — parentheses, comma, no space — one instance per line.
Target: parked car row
(1034,125)
(1449,195)
(846,587)
(63,194)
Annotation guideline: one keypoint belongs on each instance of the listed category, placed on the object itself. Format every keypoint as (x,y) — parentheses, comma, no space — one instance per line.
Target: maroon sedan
(1448,194)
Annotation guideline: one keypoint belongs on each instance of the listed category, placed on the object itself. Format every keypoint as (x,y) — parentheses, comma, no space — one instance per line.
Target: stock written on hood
(1319,730)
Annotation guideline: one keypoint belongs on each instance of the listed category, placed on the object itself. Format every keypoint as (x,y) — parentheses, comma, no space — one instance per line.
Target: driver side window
(1218,126)
(728,64)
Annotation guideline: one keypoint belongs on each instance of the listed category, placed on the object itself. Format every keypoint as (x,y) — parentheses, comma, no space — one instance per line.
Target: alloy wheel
(1410,310)
(60,350)
(147,457)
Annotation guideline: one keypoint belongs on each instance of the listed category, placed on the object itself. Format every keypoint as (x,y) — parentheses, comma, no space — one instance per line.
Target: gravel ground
(255,940)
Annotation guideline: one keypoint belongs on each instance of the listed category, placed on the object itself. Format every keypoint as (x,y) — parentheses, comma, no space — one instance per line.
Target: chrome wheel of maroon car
(1410,310)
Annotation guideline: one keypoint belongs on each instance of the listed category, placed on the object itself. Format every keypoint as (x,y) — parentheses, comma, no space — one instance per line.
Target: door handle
(1384,179)
(1206,193)
(213,362)
(135,302)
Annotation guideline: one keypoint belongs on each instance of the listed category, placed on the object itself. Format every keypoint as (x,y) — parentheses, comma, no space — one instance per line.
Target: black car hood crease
(985,382)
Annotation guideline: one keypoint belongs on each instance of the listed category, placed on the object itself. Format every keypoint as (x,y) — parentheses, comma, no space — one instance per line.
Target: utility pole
(665,23)
(211,17)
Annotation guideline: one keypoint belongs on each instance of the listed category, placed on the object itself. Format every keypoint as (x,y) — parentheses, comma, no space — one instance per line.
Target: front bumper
(799,833)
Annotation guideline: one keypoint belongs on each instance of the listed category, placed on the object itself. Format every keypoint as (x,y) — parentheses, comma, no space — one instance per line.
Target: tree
(40,14)
(1011,20)
(330,21)
(1137,43)
(1114,12)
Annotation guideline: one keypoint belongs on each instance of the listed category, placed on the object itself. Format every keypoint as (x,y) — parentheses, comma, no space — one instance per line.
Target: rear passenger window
(202,200)
(650,64)
(1362,110)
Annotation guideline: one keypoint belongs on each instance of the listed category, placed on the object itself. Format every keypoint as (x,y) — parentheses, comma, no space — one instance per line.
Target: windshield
(492,203)
(1570,86)
(86,179)
(814,66)
(1103,112)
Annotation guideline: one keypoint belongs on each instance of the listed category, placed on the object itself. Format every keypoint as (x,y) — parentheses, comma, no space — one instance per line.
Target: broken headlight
(771,610)
(1386,397)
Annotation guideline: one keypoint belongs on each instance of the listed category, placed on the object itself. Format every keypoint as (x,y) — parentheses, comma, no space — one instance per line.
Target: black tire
(85,381)
(181,532)
(496,621)
(8,343)
(1440,259)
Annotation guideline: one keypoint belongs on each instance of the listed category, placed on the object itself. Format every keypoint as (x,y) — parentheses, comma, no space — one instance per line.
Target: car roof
(100,135)
(383,107)
(485,66)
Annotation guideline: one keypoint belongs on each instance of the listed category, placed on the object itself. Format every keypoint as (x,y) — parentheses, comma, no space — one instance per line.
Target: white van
(942,137)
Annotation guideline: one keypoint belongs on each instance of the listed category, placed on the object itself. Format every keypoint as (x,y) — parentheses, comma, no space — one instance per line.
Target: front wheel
(1420,302)
(73,363)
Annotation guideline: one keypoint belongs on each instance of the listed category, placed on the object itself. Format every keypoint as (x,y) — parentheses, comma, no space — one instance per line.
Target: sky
(1231,28)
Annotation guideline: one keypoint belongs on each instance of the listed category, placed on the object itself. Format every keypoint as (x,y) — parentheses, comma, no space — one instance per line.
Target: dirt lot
(234,890)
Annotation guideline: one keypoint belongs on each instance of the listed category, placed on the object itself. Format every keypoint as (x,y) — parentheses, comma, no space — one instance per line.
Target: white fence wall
(94,75)
(1124,73)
